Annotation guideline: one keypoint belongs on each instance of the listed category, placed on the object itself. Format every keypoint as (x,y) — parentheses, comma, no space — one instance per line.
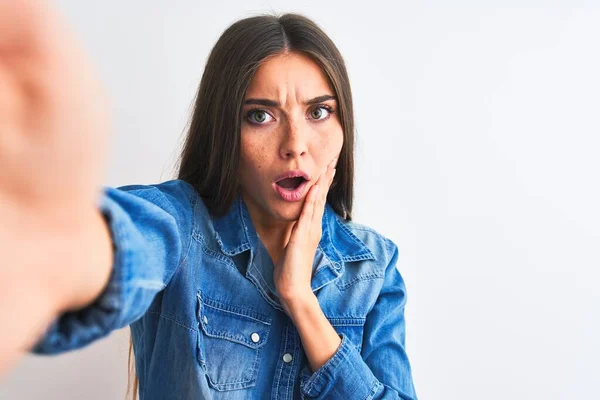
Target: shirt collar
(235,234)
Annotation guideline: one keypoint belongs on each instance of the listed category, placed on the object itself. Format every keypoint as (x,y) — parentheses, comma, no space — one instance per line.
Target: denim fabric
(206,321)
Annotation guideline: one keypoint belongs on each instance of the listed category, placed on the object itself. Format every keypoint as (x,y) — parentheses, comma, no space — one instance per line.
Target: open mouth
(291,183)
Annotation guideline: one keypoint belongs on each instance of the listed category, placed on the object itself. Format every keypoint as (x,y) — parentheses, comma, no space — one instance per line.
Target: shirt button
(205,320)
(255,337)
(287,358)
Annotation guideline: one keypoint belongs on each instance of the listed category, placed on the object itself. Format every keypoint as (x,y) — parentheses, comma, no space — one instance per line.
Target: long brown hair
(211,151)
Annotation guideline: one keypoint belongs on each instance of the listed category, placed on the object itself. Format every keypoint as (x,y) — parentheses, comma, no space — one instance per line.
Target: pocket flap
(234,323)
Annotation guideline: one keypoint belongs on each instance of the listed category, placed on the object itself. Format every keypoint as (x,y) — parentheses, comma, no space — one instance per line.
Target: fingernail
(333,172)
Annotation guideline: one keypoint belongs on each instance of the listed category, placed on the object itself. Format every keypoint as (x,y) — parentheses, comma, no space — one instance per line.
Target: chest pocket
(230,343)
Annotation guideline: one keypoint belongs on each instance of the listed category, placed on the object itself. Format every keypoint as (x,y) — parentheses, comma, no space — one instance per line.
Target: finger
(333,162)
(33,29)
(325,180)
(330,173)
(302,226)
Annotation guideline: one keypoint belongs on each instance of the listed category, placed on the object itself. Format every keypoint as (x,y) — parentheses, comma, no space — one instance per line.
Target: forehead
(289,74)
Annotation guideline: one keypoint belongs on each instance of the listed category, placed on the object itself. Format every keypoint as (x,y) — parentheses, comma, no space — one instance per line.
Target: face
(290,127)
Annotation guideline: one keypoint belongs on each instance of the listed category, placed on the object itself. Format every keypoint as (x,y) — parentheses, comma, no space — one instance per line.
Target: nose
(294,143)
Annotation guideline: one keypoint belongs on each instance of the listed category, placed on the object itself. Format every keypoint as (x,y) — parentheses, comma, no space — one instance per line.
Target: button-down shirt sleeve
(381,370)
(151,229)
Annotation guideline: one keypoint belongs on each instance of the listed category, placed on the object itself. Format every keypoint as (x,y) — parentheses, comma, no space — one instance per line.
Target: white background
(478,141)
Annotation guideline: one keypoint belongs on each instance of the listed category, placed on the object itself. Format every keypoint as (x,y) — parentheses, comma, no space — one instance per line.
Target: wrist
(299,303)
(71,262)
(92,270)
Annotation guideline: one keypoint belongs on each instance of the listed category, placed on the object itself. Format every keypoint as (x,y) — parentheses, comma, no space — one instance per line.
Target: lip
(292,174)
(291,195)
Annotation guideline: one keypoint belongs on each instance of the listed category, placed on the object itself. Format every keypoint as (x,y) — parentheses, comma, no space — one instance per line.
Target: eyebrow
(273,103)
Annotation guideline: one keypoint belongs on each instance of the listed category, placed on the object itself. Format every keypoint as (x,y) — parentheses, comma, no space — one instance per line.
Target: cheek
(330,141)
(252,160)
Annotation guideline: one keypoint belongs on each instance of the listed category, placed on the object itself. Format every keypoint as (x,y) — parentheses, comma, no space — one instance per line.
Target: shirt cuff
(77,328)
(345,371)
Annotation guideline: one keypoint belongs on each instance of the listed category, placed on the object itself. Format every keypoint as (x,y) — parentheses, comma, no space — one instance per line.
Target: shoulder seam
(192,197)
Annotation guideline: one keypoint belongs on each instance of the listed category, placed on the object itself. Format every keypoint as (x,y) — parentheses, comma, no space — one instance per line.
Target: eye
(258,117)
(321,112)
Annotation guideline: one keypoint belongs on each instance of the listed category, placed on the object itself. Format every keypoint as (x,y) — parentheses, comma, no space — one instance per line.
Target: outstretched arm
(54,244)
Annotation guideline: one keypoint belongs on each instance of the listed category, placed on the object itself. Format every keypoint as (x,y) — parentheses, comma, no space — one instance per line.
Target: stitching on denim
(212,253)
(359,257)
(331,363)
(120,257)
(366,251)
(235,251)
(231,385)
(347,321)
(260,275)
(237,339)
(243,312)
(364,277)
(289,379)
(254,371)
(392,248)
(243,218)
(193,195)
(374,390)
(263,283)
(217,256)
(364,228)
(237,313)
(226,385)
(246,243)
(296,370)
(336,265)
(278,379)
(257,282)
(353,325)
(255,347)
(164,316)
(287,334)
(264,327)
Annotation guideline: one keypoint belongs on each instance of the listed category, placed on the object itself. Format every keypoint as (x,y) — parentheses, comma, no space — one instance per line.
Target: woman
(245,277)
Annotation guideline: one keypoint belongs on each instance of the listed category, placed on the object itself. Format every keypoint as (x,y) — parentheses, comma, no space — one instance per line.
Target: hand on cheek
(292,275)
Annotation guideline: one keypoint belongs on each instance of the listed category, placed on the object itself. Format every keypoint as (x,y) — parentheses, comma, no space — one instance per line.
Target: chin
(288,211)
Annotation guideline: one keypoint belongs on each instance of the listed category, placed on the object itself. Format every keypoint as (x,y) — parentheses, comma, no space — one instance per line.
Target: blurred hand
(53,117)
(54,245)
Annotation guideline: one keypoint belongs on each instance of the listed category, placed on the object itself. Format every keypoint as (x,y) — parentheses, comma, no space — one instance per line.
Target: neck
(274,234)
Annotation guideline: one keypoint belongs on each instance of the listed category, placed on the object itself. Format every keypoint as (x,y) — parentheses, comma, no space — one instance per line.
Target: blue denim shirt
(205,318)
